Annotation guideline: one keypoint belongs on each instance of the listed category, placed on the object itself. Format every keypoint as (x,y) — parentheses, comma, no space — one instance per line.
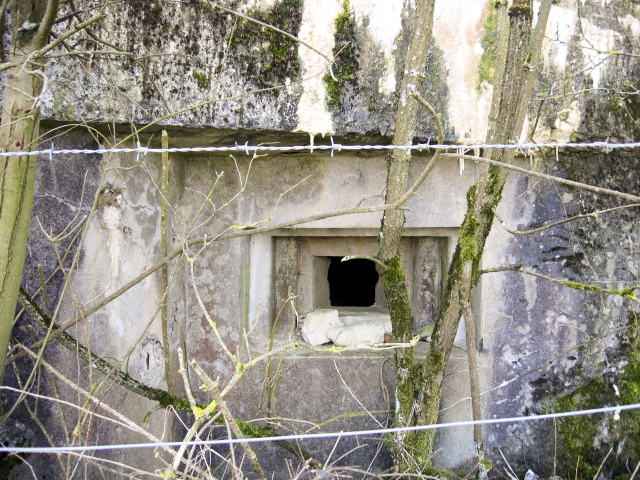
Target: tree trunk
(482,198)
(394,281)
(19,132)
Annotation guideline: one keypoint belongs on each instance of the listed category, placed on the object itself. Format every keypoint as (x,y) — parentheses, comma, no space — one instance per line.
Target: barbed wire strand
(333,147)
(310,436)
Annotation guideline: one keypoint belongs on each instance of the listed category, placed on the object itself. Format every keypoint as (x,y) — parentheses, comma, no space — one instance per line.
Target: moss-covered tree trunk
(32,20)
(483,197)
(398,161)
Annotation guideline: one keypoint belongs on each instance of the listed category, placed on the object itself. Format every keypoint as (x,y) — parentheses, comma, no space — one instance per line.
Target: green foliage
(346,55)
(584,441)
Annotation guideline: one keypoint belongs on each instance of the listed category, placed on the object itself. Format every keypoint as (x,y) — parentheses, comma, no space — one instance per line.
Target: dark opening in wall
(352,283)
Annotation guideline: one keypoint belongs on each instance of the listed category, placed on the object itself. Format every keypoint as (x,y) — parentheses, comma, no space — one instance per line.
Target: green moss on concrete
(346,54)
(486,67)
(203,80)
(584,441)
(268,56)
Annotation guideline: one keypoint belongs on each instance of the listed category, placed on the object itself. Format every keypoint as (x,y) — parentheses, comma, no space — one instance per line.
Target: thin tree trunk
(19,132)
(482,199)
(394,281)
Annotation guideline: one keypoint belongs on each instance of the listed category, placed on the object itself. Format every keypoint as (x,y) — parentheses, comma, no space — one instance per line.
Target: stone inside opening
(352,283)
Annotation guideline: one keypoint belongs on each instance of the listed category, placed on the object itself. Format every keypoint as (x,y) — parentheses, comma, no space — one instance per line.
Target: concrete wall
(186,54)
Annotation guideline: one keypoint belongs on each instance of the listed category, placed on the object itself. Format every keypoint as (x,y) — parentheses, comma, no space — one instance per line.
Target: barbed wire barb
(246,148)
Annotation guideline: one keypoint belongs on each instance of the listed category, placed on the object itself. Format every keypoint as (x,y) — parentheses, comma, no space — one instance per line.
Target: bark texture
(504,125)
(19,132)
(394,281)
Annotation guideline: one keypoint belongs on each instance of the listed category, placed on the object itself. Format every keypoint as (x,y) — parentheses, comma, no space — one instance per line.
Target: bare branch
(49,18)
(565,220)
(626,292)
(40,53)
(228,417)
(584,186)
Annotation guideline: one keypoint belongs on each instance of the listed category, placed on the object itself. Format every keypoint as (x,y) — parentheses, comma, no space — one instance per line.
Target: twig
(560,222)
(228,417)
(595,477)
(584,186)
(375,260)
(131,425)
(626,292)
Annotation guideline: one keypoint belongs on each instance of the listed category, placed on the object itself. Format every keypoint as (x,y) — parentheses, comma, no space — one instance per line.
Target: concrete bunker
(310,264)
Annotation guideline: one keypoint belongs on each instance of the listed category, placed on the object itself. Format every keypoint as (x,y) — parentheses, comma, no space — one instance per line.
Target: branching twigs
(235,234)
(100,403)
(625,292)
(40,53)
(201,414)
(162,397)
(212,387)
(584,186)
(564,220)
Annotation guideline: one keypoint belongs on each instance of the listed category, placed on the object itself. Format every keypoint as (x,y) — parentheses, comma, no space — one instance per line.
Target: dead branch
(625,292)
(584,186)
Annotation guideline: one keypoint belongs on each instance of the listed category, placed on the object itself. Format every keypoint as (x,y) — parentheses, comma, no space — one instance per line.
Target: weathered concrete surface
(585,93)
(251,78)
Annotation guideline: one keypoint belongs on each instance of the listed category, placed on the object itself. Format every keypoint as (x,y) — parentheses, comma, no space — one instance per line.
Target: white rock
(382,318)
(316,325)
(363,333)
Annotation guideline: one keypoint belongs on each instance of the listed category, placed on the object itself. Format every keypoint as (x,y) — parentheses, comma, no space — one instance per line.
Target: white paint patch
(632,23)
(595,42)
(384,25)
(560,28)
(458,29)
(318,28)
